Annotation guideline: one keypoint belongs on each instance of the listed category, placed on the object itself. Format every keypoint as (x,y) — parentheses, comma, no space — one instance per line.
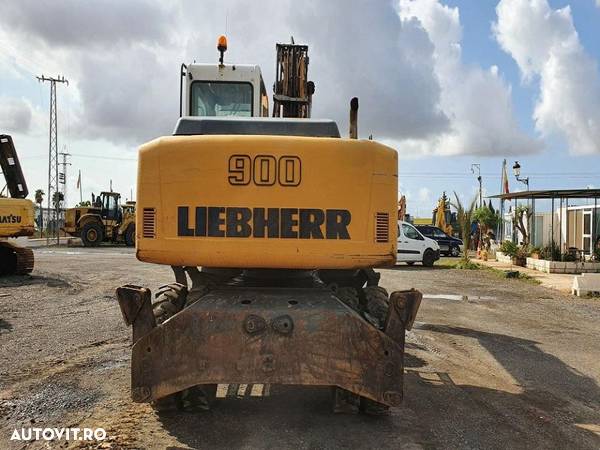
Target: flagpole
(502,189)
(80,189)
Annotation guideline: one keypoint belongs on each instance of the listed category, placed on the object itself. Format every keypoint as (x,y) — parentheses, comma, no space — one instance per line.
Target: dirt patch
(496,363)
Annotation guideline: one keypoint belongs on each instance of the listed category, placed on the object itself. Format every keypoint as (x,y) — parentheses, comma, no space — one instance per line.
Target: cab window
(221,98)
(110,202)
(410,232)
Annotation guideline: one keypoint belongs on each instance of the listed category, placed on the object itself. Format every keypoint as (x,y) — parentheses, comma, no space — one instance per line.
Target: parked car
(414,247)
(449,245)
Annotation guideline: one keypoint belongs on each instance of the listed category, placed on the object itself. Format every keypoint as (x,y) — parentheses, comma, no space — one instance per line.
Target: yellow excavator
(16,213)
(272,227)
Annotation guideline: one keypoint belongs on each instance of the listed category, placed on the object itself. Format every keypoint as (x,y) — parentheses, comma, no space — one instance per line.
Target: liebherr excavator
(278,223)
(16,213)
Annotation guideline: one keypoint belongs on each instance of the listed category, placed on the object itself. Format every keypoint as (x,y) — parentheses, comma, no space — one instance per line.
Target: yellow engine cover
(16,217)
(267,202)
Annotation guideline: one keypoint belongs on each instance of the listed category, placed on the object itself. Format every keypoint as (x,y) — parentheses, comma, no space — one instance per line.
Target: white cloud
(477,101)
(15,115)
(122,59)
(545,44)
(424,195)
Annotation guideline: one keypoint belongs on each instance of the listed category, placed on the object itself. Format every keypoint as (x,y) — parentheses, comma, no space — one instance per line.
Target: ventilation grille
(149,223)
(382,227)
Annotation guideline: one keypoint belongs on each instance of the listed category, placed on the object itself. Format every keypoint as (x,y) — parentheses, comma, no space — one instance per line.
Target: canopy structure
(550,194)
(563,196)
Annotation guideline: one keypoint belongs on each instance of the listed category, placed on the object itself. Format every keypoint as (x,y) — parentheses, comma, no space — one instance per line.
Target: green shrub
(523,252)
(509,248)
(551,252)
(467,265)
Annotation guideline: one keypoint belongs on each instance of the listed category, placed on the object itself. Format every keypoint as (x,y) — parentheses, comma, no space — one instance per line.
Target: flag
(504,179)
(79,180)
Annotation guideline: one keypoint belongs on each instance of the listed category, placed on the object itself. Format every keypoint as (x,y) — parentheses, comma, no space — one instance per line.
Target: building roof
(549,194)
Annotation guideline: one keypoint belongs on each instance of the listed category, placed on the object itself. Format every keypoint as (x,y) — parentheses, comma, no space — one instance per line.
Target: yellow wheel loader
(16,213)
(105,220)
(272,227)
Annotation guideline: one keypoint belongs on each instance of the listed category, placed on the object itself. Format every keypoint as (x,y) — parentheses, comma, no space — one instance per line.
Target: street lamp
(517,172)
(525,181)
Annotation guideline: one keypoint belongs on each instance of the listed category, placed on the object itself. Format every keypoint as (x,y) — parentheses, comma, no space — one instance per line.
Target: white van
(414,247)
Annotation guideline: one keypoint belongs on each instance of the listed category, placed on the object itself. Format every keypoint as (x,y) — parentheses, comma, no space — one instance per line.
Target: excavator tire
(376,307)
(376,304)
(15,260)
(169,300)
(92,234)
(372,303)
(130,236)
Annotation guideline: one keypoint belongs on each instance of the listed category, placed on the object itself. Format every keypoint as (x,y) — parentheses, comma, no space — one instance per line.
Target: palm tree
(39,199)
(57,199)
(464,217)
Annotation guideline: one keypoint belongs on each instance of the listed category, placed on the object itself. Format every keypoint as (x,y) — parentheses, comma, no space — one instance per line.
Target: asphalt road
(491,363)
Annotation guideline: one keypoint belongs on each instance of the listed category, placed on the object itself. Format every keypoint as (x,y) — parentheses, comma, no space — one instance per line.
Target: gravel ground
(491,363)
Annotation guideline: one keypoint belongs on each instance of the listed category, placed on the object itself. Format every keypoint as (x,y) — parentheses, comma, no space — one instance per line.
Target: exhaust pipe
(354,118)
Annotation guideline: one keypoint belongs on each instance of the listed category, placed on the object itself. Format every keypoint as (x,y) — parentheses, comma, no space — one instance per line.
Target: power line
(465,174)
(79,155)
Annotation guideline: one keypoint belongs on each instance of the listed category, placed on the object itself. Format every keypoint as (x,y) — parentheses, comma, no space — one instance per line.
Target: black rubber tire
(92,234)
(455,251)
(130,236)
(168,301)
(374,307)
(428,258)
(410,263)
(376,304)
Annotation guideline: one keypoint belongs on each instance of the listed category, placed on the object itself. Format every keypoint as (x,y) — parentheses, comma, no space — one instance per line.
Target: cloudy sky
(447,83)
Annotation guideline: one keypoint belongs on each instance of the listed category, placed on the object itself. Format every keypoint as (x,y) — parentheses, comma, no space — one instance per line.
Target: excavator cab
(110,209)
(216,90)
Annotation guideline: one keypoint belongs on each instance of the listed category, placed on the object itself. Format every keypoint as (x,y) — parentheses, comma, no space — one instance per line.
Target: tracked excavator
(272,226)
(16,213)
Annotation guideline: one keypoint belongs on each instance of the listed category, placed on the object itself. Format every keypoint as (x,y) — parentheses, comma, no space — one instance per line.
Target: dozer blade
(273,336)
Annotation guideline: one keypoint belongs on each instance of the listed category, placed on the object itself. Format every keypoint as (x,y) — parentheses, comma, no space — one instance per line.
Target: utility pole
(53,180)
(62,176)
(478,167)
